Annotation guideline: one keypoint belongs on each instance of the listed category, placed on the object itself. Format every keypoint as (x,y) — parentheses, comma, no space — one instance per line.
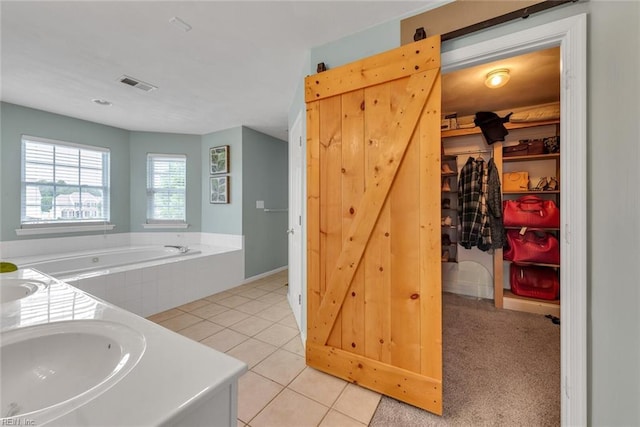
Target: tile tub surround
(149,287)
(202,386)
(254,323)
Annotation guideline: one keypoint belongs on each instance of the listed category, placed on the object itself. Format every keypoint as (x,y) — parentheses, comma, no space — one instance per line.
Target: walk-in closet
(500,272)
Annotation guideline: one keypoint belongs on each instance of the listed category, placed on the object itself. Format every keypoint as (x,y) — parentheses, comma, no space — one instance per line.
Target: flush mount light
(180,24)
(497,78)
(102,102)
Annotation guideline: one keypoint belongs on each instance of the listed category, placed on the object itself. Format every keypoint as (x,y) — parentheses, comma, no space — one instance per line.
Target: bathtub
(77,264)
(146,279)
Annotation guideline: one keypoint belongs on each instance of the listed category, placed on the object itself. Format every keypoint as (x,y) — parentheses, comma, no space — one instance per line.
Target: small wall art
(219,189)
(219,159)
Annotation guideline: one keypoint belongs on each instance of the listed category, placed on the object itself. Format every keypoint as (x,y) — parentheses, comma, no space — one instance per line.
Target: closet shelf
(532,192)
(476,130)
(534,263)
(533,228)
(449,174)
(531,305)
(552,156)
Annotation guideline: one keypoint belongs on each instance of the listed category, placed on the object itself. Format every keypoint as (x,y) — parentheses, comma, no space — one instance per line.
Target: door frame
(295,292)
(571,35)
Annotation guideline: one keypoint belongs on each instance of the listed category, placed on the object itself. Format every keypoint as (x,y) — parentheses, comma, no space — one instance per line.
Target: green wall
(613,109)
(142,143)
(258,171)
(18,120)
(265,177)
(223,218)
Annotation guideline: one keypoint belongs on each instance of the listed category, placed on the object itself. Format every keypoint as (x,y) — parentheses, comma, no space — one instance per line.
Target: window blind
(166,188)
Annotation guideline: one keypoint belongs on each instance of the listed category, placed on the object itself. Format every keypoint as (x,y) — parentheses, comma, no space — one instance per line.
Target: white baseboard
(261,275)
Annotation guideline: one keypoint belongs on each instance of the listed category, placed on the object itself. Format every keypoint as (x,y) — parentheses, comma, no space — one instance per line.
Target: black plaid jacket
(470,216)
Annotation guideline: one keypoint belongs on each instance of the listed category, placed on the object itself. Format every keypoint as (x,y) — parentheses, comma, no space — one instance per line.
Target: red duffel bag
(534,282)
(531,211)
(532,246)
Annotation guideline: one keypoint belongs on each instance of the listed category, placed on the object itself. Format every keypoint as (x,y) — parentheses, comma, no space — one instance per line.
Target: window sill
(32,231)
(165,226)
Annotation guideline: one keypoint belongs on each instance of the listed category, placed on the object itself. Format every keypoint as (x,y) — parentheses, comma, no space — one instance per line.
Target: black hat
(492,125)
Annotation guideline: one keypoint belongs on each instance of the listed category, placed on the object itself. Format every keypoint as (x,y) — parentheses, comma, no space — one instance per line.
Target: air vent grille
(138,84)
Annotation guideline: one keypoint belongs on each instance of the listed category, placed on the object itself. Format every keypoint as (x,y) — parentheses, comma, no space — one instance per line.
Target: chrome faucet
(182,249)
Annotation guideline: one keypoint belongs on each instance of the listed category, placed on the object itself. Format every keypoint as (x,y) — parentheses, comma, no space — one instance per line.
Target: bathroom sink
(12,289)
(51,369)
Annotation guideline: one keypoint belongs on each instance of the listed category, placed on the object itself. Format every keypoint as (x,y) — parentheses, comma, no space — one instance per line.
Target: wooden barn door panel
(374,272)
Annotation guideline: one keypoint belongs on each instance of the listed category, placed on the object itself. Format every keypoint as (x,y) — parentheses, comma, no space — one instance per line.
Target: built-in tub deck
(146,279)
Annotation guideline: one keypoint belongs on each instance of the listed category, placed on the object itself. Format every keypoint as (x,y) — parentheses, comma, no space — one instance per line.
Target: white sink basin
(12,289)
(49,370)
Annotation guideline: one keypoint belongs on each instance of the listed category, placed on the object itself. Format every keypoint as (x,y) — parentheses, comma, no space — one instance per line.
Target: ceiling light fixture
(180,24)
(102,102)
(497,78)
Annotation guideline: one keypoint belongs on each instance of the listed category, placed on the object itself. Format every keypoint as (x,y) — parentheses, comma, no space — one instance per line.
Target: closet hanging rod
(459,153)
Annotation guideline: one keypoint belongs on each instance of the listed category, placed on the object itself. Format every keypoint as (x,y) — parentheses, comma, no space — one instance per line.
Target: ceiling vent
(138,84)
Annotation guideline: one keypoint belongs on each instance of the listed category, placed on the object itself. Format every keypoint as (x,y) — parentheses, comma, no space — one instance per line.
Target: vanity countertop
(173,375)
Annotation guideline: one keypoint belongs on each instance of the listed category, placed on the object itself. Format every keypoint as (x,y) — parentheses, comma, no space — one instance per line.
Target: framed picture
(219,159)
(219,189)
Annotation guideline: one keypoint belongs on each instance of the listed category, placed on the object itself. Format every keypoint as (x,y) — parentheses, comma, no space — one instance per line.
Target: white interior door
(295,219)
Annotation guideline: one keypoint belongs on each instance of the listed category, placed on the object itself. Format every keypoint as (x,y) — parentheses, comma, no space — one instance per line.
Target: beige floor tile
(233,301)
(224,340)
(229,317)
(253,306)
(282,291)
(165,315)
(272,298)
(220,295)
(193,305)
(357,402)
(290,409)
(252,293)
(181,321)
(236,289)
(295,346)
(252,351)
(241,424)
(254,393)
(209,310)
(270,286)
(274,313)
(281,367)
(251,325)
(318,386)
(289,321)
(277,334)
(201,330)
(337,419)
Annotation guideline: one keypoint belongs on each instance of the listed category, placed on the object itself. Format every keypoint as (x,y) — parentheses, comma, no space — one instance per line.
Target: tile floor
(254,323)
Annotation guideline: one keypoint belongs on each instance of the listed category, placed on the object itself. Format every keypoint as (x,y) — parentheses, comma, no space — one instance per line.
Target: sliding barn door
(374,252)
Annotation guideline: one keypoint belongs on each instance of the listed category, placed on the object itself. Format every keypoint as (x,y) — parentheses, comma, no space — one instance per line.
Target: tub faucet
(182,249)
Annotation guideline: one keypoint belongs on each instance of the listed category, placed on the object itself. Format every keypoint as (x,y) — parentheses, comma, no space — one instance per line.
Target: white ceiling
(535,80)
(239,65)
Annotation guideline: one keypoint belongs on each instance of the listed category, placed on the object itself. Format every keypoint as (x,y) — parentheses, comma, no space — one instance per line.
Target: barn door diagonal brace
(418,90)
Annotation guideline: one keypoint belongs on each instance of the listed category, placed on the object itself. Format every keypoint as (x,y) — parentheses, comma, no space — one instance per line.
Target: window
(63,182)
(166,188)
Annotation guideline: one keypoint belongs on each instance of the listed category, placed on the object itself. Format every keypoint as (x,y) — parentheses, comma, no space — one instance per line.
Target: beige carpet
(501,368)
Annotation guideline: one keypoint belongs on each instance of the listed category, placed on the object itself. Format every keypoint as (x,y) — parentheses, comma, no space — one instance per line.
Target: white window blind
(166,188)
(63,182)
